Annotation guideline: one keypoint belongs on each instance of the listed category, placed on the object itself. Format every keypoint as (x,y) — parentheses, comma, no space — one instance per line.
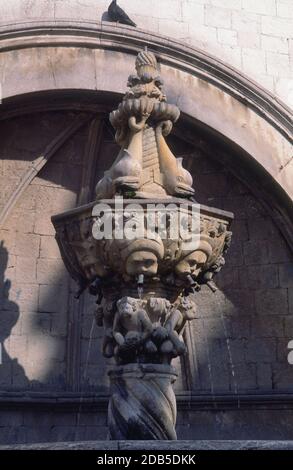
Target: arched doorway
(56,143)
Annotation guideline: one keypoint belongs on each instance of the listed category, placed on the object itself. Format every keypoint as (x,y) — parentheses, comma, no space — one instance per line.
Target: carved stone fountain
(145,275)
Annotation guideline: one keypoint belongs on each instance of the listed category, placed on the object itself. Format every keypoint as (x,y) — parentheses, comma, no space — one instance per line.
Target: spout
(140,280)
(190,280)
(212,286)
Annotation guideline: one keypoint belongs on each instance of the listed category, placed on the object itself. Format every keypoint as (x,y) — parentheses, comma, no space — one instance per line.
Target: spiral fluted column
(143,403)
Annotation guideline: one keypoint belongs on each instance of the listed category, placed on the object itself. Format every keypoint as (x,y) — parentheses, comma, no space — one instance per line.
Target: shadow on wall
(10,369)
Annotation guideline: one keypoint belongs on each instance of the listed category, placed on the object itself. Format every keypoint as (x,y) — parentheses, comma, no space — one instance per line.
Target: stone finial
(146,63)
(145,166)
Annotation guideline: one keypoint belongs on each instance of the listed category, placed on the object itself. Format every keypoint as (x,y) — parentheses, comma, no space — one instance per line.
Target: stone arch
(61,56)
(78,61)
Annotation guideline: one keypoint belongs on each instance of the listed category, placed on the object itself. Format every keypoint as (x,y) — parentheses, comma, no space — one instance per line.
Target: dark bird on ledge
(117,14)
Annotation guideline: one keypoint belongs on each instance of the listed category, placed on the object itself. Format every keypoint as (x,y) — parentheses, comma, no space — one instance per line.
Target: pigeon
(117,14)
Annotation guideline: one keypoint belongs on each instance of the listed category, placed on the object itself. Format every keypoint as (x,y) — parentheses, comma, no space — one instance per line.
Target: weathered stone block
(50,175)
(47,348)
(284,89)
(255,252)
(11,418)
(290,300)
(263,7)
(288,325)
(238,302)
(260,350)
(273,44)
(210,305)
(51,271)
(92,419)
(226,36)
(245,22)
(218,17)
(71,178)
(253,206)
(17,347)
(268,326)
(248,39)
(242,377)
(94,377)
(53,299)
(59,324)
(278,64)
(282,377)
(43,225)
(286,275)
(231,4)
(237,327)
(240,230)
(253,60)
(264,376)
(5,371)
(214,378)
(49,247)
(191,10)
(283,350)
(27,266)
(27,244)
(92,432)
(280,27)
(271,301)
(262,228)
(91,351)
(229,277)
(22,221)
(90,328)
(8,238)
(284,9)
(63,199)
(278,251)
(258,277)
(173,28)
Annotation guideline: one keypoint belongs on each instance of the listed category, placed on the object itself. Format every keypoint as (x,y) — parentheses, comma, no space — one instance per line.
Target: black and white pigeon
(117,14)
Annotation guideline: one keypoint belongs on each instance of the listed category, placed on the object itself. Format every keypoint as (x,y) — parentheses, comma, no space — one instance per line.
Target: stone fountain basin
(85,257)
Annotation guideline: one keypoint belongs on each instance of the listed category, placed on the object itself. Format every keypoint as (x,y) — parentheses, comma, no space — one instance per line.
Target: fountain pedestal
(142,404)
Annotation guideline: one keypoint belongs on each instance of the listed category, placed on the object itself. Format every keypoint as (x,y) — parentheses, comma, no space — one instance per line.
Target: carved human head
(192,262)
(141,256)
(127,305)
(142,262)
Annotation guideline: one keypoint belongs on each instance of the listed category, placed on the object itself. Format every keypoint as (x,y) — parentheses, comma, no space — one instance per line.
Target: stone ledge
(72,401)
(156,445)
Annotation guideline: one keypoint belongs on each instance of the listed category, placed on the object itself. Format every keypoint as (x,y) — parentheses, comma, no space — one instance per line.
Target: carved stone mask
(142,262)
(191,264)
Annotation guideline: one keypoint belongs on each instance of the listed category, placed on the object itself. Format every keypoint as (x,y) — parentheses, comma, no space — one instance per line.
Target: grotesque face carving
(191,264)
(142,262)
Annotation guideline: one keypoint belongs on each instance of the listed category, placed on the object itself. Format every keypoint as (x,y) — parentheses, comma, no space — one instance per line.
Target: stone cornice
(75,401)
(90,34)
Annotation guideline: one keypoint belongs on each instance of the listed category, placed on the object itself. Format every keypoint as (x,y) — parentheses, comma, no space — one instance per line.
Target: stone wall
(236,381)
(53,377)
(256,37)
